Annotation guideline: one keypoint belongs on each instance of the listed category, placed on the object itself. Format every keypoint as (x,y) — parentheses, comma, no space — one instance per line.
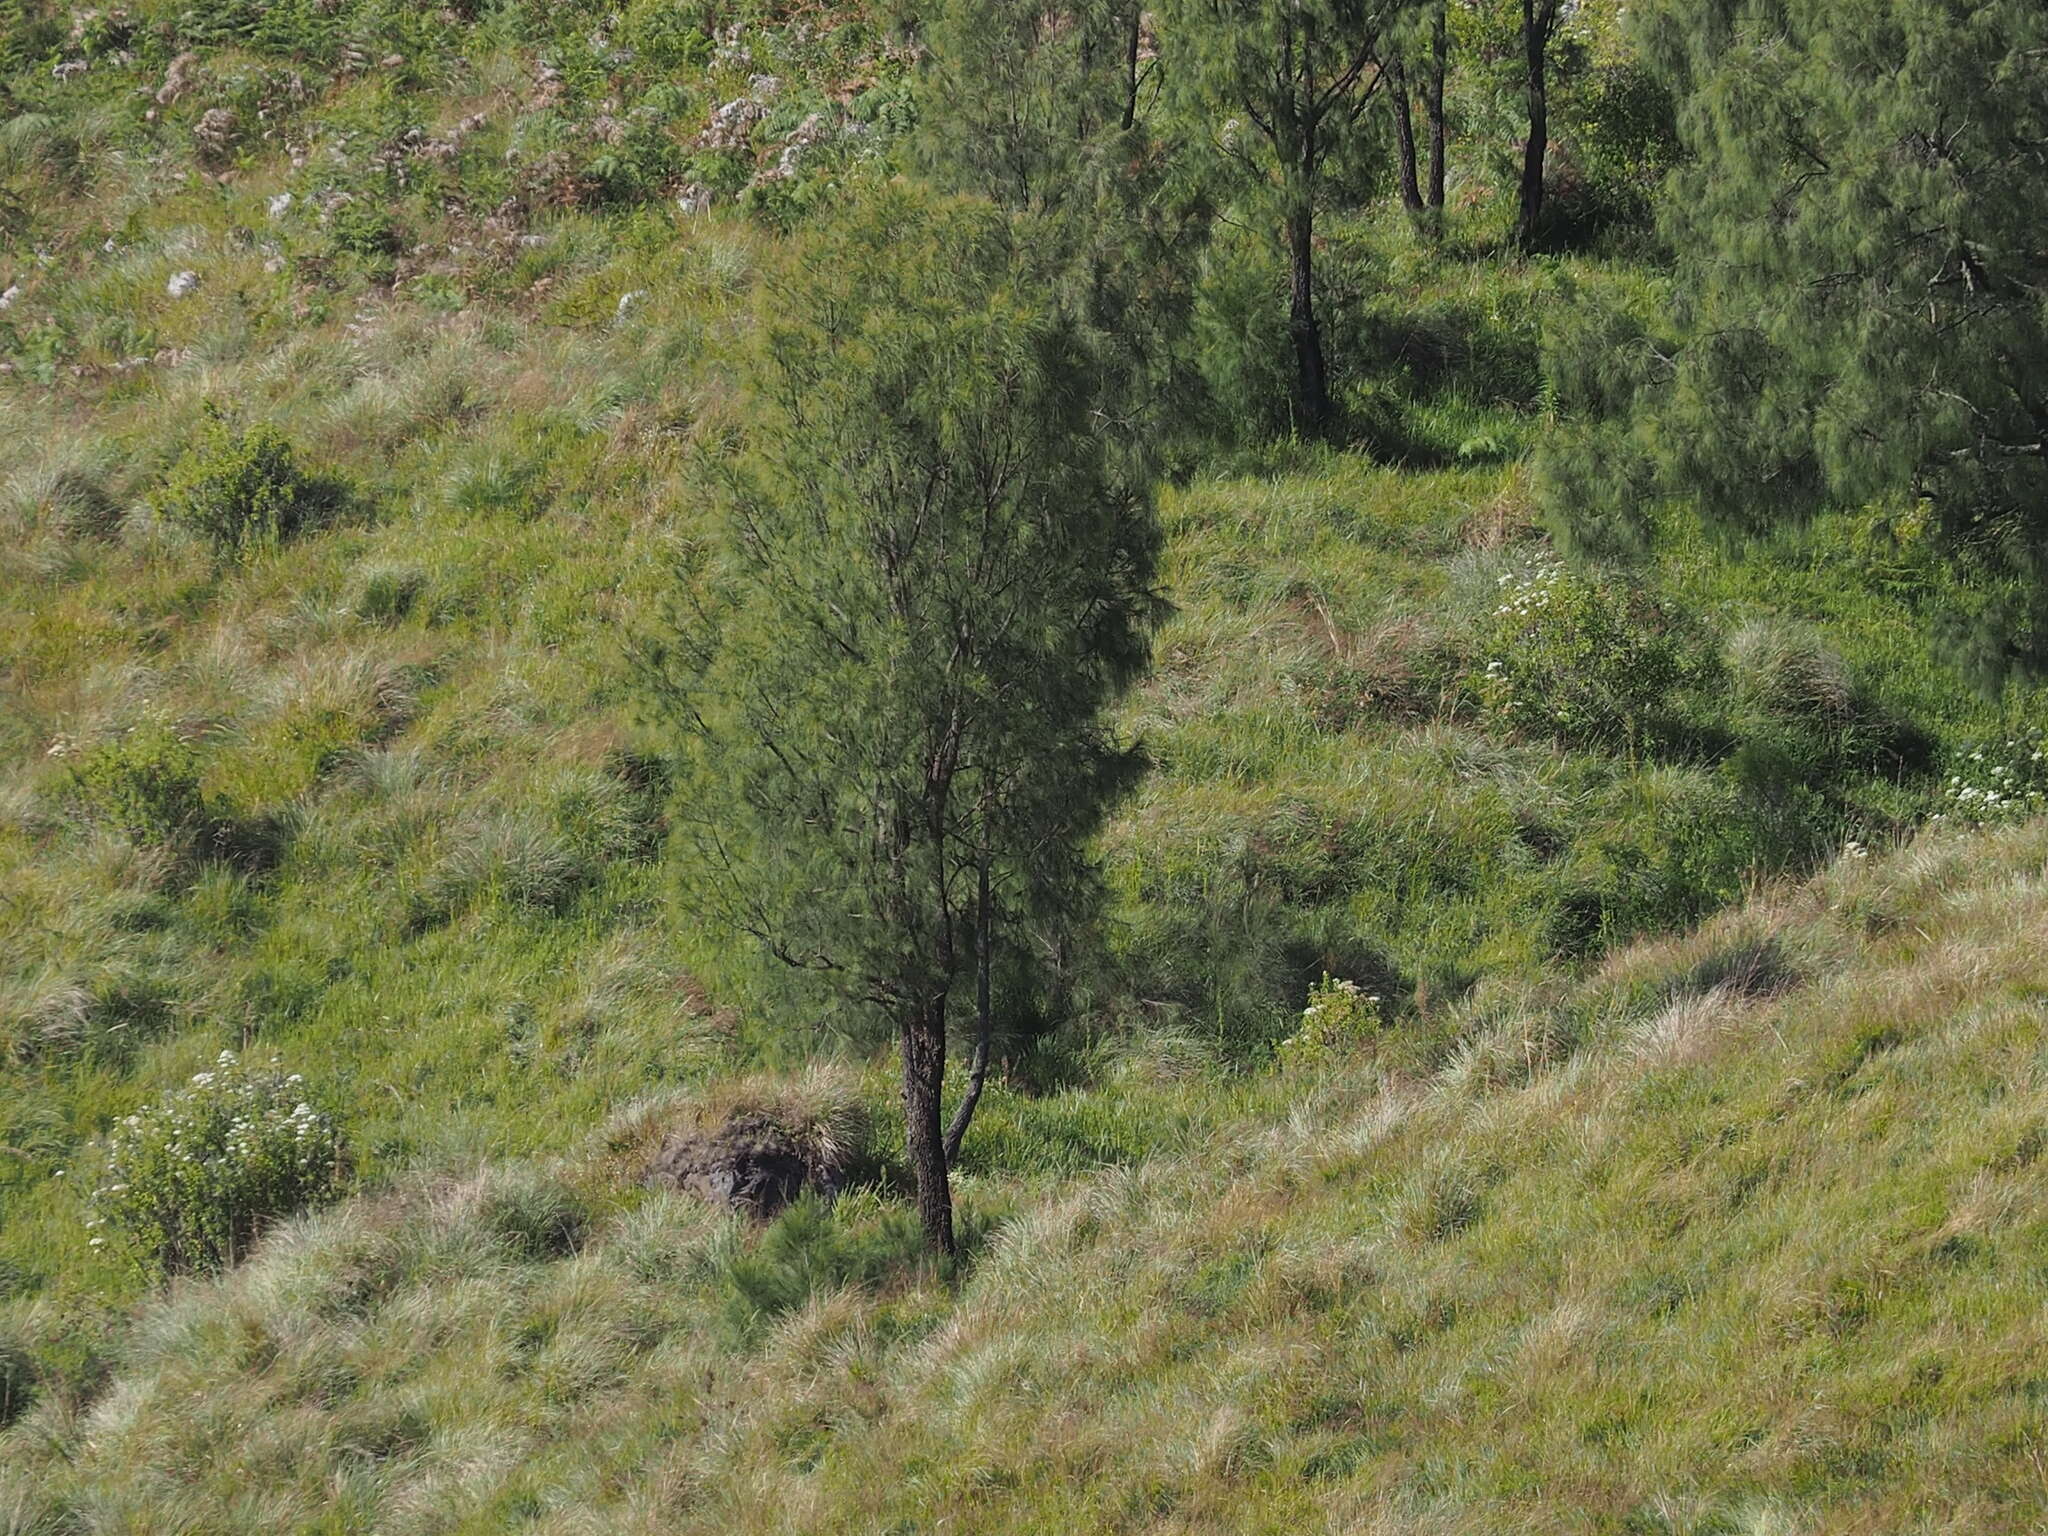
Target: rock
(181,284)
(748,1164)
(216,129)
(177,79)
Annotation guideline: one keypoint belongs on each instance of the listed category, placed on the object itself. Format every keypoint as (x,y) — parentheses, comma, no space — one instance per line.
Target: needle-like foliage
(930,582)
(1862,289)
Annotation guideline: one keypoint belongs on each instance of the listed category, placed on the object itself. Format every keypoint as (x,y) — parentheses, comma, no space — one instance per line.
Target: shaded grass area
(1741,1233)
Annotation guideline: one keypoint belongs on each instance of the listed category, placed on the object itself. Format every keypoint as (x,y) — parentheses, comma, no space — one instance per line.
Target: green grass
(1493,1278)
(1699,1244)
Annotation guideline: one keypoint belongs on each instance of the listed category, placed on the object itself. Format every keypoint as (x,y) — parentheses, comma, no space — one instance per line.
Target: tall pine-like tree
(888,683)
(1282,85)
(1862,290)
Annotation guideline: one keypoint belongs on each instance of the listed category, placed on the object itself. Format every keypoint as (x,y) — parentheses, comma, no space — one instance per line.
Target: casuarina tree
(1283,84)
(1862,252)
(888,674)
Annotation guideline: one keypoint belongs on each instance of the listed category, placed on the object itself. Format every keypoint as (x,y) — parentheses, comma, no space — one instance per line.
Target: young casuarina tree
(1284,83)
(1420,62)
(1539,30)
(889,674)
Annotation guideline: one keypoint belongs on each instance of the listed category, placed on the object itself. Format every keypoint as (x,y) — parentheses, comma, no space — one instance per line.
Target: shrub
(240,488)
(1581,659)
(143,784)
(188,1184)
(1999,782)
(1341,1019)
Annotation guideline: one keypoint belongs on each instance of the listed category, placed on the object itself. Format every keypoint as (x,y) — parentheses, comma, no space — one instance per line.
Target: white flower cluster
(2005,783)
(189,1181)
(1526,593)
(1338,993)
(1525,596)
(1341,1017)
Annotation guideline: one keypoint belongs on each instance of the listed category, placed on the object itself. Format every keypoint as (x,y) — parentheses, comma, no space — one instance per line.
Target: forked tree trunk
(1439,66)
(1404,138)
(1312,381)
(922,1041)
(984,1016)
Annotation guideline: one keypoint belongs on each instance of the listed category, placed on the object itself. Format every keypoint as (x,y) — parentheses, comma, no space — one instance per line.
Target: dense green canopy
(1862,288)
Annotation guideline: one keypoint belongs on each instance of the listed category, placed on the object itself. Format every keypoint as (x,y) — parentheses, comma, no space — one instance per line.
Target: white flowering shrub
(1578,659)
(189,1183)
(1341,1018)
(2001,782)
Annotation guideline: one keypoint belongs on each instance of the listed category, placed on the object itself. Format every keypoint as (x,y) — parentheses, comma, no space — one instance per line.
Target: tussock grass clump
(17,1379)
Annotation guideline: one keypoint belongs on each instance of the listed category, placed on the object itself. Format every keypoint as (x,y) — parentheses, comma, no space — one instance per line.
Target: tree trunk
(1312,383)
(1131,42)
(984,1019)
(1404,138)
(922,1041)
(1537,19)
(1439,66)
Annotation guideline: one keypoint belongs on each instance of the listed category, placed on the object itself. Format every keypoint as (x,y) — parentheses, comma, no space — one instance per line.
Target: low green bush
(241,488)
(143,784)
(1584,660)
(189,1183)
(1342,1019)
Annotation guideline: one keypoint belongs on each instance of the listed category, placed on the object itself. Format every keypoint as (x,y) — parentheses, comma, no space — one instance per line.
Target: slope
(1744,1233)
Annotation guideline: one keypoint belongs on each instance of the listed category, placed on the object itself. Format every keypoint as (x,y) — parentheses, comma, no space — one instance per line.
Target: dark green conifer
(1282,85)
(931,579)
(1862,249)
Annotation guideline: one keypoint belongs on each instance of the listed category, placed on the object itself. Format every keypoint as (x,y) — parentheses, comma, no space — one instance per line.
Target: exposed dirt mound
(748,1164)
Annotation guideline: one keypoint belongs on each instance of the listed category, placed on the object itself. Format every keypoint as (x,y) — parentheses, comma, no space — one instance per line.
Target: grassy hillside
(1742,1234)
(1731,1234)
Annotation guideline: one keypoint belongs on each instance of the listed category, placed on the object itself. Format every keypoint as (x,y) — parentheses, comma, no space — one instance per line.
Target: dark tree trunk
(1538,19)
(1312,382)
(1439,66)
(922,1040)
(1131,41)
(1404,138)
(984,1016)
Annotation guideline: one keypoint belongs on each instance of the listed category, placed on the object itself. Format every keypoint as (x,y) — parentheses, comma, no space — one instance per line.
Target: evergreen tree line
(891,671)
